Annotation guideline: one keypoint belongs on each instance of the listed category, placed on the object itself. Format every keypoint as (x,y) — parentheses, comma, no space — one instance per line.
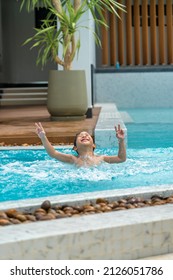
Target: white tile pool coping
(109,117)
(126,234)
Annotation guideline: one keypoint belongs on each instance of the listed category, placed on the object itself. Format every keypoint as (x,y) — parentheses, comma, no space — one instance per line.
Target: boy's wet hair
(75,139)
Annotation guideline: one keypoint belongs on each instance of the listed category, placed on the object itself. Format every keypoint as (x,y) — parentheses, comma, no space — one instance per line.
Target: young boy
(84,146)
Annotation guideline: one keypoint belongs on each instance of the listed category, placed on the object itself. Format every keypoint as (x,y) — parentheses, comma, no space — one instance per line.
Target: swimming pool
(149,135)
(30,173)
(150,128)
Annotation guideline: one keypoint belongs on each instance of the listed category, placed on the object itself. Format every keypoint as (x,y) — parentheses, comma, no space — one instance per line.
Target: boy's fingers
(118,128)
(40,125)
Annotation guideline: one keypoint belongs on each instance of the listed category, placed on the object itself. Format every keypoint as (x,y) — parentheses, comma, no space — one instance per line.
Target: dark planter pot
(67,94)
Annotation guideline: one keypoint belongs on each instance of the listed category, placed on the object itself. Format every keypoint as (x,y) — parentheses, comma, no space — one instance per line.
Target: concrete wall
(19,62)
(135,90)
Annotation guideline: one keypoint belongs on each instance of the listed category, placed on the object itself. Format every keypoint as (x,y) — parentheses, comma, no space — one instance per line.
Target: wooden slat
(23,94)
(105,41)
(17,125)
(141,45)
(161,31)
(129,33)
(113,45)
(26,89)
(23,99)
(145,31)
(169,8)
(120,37)
(137,32)
(153,32)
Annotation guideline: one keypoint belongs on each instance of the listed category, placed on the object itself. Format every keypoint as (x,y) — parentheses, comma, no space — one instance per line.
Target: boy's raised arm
(49,148)
(121,157)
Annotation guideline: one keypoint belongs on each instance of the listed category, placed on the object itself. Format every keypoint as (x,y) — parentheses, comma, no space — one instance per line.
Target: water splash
(27,174)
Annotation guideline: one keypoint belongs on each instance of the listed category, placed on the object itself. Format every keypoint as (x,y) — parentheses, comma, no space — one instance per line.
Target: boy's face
(83,139)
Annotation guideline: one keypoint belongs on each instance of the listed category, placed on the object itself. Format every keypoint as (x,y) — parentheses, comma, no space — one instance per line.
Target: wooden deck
(17,126)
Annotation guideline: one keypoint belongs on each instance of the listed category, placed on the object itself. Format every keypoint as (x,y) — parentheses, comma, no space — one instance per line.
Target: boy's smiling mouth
(85,140)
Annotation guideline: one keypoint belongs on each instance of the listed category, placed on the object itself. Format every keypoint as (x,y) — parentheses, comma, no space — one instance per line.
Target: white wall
(87,52)
(135,90)
(86,55)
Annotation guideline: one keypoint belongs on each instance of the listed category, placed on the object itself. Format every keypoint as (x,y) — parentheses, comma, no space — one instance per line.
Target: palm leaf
(48,38)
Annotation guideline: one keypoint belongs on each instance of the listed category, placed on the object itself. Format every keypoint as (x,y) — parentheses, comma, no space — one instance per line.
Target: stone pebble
(47,211)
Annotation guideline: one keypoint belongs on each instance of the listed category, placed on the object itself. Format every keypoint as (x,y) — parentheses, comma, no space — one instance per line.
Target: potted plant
(60,28)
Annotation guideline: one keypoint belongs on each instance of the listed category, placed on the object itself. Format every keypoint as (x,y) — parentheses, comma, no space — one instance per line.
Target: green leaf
(58,28)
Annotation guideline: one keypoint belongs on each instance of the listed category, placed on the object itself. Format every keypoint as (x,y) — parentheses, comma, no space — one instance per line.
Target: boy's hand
(40,131)
(119,133)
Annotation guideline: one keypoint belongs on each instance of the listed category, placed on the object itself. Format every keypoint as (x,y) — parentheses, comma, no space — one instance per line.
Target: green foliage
(50,36)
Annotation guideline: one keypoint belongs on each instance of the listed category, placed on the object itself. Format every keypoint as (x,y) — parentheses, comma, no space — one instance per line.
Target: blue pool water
(32,173)
(151,115)
(147,135)
(150,128)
